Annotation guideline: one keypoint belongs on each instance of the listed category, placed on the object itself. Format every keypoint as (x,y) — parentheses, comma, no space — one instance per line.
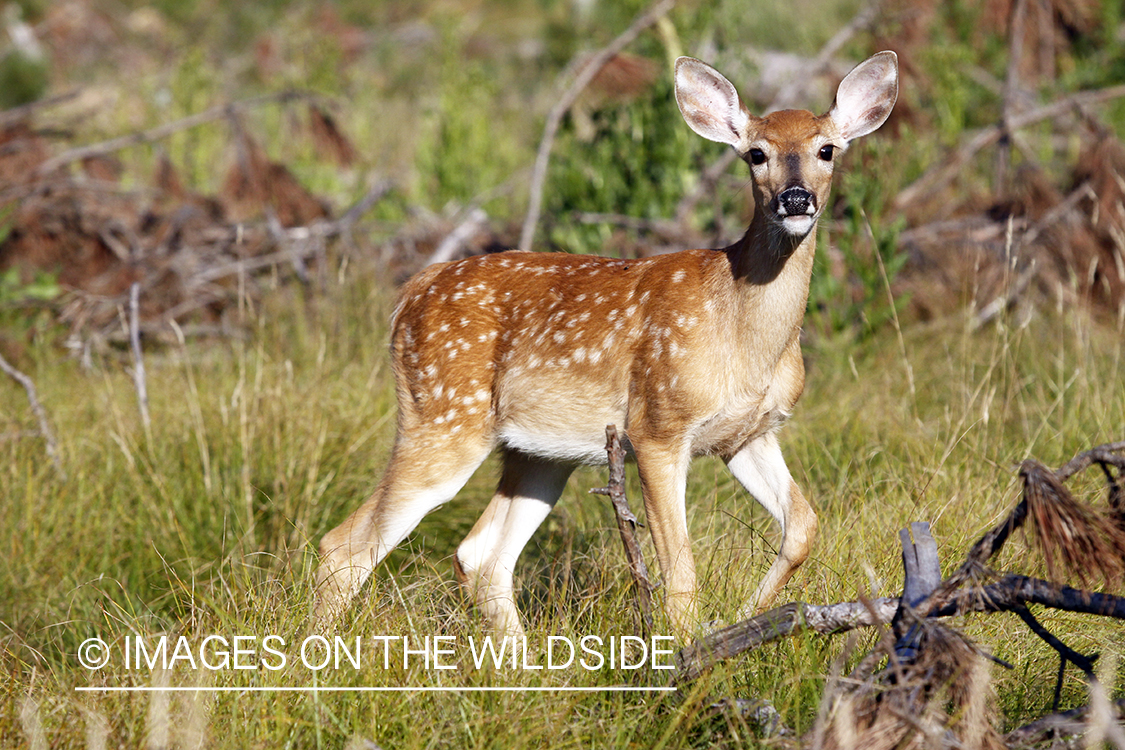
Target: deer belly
(557,429)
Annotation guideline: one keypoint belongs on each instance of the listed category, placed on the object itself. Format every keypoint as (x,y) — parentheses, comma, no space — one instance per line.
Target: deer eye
(826,152)
(757,156)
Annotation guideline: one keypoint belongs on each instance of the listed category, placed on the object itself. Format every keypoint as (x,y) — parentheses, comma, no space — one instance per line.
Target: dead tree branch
(1061,725)
(542,157)
(963,591)
(627,526)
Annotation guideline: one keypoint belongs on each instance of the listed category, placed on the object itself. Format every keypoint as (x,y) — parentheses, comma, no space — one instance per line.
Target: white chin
(797,225)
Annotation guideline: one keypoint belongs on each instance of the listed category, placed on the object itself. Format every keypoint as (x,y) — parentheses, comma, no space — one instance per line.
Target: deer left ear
(866,96)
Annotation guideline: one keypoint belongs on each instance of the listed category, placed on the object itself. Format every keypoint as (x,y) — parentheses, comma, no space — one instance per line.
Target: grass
(206,527)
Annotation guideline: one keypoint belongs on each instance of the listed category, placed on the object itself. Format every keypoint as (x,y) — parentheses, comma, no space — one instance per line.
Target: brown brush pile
(943,699)
(992,225)
(192,254)
(100,237)
(1039,243)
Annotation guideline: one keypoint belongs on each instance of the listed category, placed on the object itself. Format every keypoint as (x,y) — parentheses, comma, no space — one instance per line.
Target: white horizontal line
(368,689)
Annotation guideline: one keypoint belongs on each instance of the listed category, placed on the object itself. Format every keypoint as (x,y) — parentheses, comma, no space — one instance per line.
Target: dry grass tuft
(1072,536)
(943,699)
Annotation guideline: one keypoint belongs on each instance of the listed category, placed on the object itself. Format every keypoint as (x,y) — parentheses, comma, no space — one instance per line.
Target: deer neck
(770,277)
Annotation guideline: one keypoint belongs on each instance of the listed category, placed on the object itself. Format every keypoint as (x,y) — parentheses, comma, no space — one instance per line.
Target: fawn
(691,353)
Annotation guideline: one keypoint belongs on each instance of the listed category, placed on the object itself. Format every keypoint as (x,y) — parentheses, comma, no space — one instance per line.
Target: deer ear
(866,96)
(709,103)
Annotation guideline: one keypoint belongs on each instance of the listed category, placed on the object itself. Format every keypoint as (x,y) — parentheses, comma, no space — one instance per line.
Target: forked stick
(627,526)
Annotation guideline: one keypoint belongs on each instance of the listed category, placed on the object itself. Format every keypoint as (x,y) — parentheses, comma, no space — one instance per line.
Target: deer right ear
(710,104)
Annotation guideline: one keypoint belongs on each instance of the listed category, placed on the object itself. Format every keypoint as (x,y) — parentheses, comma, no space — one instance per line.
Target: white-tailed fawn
(690,353)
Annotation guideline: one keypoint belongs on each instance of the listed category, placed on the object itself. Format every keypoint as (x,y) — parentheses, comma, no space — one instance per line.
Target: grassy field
(206,526)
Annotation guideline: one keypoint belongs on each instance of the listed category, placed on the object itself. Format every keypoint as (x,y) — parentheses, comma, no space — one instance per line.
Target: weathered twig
(781,622)
(554,118)
(1065,652)
(286,246)
(23,111)
(38,411)
(1109,453)
(139,379)
(1010,593)
(627,526)
(456,240)
(923,574)
(1064,724)
(374,194)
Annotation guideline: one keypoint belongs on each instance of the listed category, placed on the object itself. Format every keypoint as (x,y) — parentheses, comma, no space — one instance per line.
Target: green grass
(207,526)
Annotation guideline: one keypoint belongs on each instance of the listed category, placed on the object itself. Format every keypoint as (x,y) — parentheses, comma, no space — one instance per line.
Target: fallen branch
(23,111)
(374,194)
(959,593)
(455,241)
(598,61)
(1061,725)
(782,622)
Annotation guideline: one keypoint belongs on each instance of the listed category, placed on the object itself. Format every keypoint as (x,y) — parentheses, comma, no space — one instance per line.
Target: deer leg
(760,468)
(485,561)
(423,474)
(664,482)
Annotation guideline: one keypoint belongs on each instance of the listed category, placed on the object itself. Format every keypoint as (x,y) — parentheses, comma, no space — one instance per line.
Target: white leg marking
(761,469)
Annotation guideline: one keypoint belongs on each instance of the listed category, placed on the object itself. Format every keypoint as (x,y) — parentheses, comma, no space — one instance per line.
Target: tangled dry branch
(925,684)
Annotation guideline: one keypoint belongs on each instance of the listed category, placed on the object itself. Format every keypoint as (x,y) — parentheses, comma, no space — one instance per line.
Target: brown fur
(690,353)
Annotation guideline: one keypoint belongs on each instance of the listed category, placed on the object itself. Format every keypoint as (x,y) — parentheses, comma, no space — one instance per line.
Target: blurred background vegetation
(448,99)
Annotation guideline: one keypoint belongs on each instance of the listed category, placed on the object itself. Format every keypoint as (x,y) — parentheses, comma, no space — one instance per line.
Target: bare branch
(554,118)
(38,411)
(627,525)
(949,168)
(1071,723)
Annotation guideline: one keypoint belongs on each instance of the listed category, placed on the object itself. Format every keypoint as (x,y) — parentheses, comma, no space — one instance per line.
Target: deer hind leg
(425,471)
(486,559)
(760,468)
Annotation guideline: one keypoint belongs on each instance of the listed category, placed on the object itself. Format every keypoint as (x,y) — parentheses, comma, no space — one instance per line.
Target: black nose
(795,201)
